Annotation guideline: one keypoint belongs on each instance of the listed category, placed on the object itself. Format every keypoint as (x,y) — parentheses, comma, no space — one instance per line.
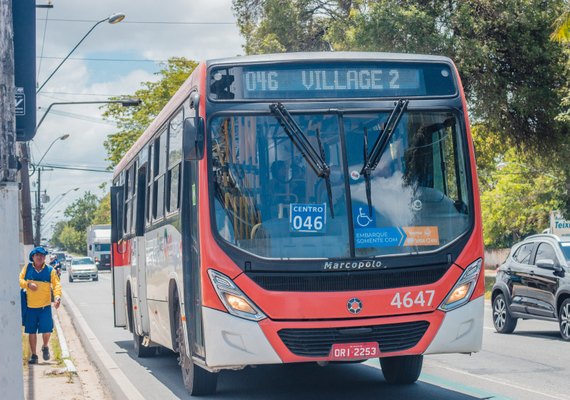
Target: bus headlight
(235,301)
(464,287)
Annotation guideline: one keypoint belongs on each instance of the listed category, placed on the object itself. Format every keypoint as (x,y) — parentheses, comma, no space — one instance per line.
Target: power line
(43,43)
(43,93)
(152,22)
(103,59)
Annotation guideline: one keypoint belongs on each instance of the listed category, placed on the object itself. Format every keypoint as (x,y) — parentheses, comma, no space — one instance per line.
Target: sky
(113,60)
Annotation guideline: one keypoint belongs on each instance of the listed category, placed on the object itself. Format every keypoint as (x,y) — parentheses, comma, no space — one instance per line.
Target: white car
(83,268)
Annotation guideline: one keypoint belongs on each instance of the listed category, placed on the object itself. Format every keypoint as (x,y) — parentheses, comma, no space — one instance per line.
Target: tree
(102,214)
(132,121)
(57,230)
(512,73)
(283,26)
(73,240)
(81,212)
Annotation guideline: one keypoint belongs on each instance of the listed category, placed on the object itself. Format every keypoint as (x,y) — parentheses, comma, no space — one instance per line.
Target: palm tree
(561,32)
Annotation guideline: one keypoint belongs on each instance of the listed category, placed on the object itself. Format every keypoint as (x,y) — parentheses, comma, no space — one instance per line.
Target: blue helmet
(37,250)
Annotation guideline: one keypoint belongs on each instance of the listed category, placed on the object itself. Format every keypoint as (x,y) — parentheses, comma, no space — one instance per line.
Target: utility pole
(38,217)
(28,237)
(11,377)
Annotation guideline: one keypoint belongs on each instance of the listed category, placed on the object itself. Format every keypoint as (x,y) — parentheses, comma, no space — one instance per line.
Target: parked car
(534,283)
(83,268)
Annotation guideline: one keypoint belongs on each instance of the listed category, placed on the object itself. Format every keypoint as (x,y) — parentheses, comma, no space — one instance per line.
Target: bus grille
(347,281)
(318,342)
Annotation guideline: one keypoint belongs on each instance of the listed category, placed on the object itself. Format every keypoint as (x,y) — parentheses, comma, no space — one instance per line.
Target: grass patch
(56,350)
(26,353)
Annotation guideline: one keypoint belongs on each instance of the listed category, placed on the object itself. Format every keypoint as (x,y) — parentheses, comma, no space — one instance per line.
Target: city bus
(302,207)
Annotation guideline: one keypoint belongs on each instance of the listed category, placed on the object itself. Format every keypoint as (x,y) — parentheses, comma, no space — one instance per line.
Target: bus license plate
(354,351)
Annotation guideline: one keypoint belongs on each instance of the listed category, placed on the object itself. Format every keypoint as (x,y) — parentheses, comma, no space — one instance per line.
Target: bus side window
(158,185)
(124,200)
(174,160)
(150,180)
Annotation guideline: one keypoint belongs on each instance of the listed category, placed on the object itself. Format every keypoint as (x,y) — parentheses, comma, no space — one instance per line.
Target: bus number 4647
(423,298)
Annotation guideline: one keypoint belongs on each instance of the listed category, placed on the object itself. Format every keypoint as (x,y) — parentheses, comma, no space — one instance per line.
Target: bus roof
(328,56)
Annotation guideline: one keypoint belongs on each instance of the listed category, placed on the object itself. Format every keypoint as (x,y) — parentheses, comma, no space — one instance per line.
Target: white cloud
(81,80)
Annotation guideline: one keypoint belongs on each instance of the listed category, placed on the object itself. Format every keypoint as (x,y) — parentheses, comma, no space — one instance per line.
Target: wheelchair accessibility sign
(361,217)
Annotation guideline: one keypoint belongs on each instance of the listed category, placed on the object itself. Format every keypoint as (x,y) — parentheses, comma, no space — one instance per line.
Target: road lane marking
(557,396)
(449,384)
(458,387)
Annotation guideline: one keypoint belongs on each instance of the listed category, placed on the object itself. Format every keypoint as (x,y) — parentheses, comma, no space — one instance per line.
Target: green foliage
(73,240)
(519,202)
(81,211)
(512,72)
(561,31)
(282,26)
(58,228)
(132,121)
(102,214)
(71,234)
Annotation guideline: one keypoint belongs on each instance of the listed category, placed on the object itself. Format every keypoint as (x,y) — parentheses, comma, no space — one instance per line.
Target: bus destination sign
(294,81)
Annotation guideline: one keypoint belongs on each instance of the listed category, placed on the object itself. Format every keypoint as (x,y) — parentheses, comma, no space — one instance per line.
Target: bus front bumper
(233,342)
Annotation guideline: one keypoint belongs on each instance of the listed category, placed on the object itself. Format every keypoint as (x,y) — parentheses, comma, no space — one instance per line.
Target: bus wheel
(402,369)
(197,380)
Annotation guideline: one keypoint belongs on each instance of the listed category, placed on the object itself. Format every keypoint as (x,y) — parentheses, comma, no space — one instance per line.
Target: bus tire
(402,369)
(197,381)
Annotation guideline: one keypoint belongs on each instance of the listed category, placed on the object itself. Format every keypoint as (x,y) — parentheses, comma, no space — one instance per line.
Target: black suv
(534,282)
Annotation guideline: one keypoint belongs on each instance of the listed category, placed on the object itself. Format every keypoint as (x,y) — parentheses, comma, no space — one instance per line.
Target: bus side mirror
(193,131)
(193,138)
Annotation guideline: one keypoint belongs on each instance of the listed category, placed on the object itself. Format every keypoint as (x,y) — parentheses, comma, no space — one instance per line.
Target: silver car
(83,268)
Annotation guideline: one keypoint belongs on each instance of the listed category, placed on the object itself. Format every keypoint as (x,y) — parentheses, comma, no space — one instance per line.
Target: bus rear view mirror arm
(193,141)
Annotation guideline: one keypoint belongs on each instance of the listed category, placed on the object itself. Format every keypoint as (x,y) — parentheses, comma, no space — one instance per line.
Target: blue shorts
(38,320)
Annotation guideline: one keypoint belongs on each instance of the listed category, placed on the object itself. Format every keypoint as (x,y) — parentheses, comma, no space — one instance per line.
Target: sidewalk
(76,379)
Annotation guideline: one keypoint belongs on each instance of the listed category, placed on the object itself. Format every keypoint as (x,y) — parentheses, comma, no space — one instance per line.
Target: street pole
(38,217)
(27,223)
(11,377)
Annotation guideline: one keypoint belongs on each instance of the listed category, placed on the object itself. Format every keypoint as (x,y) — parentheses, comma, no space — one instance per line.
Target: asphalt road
(530,364)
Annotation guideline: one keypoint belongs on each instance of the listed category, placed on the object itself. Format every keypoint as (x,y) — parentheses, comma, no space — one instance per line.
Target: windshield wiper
(372,159)
(315,160)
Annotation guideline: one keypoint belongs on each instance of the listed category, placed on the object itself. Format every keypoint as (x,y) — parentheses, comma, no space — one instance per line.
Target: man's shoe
(34,359)
(45,353)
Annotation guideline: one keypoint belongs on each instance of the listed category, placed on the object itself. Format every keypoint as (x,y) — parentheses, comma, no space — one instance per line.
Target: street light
(112,19)
(38,216)
(62,137)
(130,102)
(58,198)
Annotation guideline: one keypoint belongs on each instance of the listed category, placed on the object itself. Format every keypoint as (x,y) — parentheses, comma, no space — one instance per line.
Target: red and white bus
(310,207)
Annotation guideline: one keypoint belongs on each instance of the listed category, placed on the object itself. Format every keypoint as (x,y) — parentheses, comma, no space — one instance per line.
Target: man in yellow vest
(39,280)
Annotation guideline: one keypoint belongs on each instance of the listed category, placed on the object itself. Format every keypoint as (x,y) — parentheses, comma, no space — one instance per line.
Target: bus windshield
(268,200)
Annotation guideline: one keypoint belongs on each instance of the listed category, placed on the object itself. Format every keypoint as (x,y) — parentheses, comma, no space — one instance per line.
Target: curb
(69,366)
(119,385)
